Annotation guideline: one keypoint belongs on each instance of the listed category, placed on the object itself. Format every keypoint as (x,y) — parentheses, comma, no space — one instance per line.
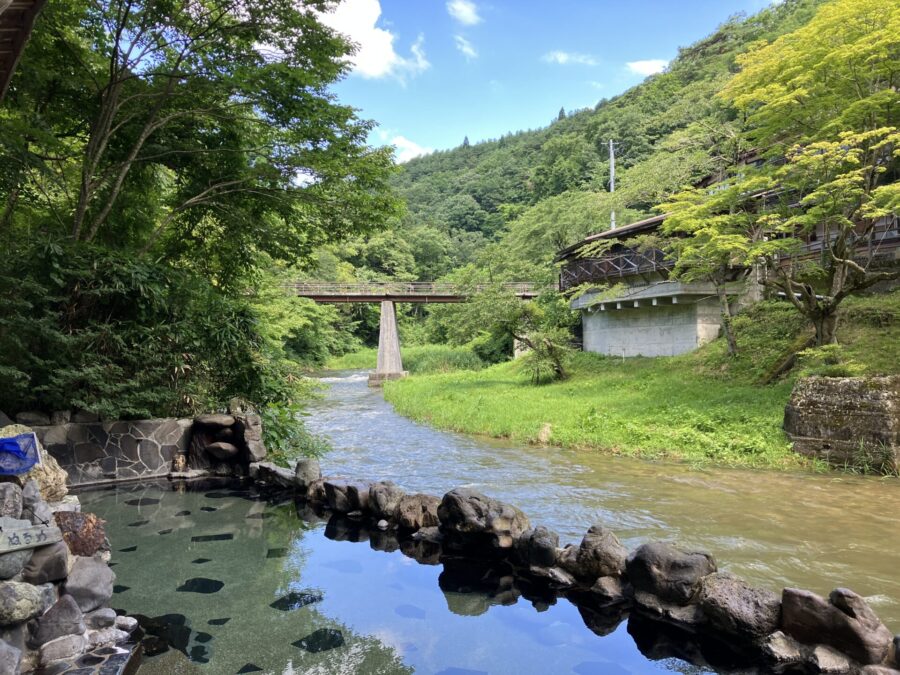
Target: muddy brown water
(816,531)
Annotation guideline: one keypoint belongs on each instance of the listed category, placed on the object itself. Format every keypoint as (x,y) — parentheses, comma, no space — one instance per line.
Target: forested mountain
(507,205)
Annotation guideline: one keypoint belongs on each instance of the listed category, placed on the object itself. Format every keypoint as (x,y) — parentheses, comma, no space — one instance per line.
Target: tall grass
(418,360)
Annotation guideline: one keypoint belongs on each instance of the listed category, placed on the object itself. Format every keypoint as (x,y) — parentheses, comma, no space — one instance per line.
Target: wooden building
(16,20)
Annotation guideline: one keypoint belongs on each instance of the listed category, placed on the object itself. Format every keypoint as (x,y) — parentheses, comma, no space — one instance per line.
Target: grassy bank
(418,360)
(705,407)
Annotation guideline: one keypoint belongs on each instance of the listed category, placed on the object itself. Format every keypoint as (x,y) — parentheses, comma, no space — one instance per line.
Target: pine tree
(562,114)
(465,142)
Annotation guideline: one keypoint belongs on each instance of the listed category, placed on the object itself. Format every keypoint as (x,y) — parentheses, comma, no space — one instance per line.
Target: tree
(562,114)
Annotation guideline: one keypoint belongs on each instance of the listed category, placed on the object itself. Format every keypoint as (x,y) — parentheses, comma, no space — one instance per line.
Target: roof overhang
(16,21)
(618,233)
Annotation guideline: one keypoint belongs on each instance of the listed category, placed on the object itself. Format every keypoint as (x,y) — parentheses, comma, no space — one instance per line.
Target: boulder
(62,648)
(10,500)
(689,615)
(50,477)
(538,547)
(555,576)
(608,590)
(384,497)
(101,618)
(878,670)
(668,572)
(13,562)
(10,658)
(273,475)
(248,430)
(358,496)
(84,417)
(47,564)
(90,583)
(737,609)
(126,623)
(106,637)
(306,471)
(84,533)
(222,450)
(826,660)
(844,622)
(600,554)
(4,420)
(470,520)
(346,497)
(63,618)
(19,602)
(60,417)
(782,651)
(315,492)
(416,511)
(215,421)
(32,418)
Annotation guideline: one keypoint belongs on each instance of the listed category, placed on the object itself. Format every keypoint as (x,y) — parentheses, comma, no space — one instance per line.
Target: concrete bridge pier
(390,366)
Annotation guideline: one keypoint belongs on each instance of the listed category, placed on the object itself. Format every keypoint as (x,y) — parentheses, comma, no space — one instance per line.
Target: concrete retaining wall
(91,452)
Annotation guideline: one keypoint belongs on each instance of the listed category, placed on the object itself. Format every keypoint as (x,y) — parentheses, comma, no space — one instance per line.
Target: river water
(774,529)
(229,582)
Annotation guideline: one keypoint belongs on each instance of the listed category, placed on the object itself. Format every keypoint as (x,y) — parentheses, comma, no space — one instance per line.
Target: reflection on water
(774,529)
(239,585)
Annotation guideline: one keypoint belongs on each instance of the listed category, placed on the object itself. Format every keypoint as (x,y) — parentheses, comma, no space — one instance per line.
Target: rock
(10,500)
(382,524)
(222,450)
(19,602)
(828,660)
(31,418)
(106,637)
(306,471)
(429,534)
(60,417)
(248,429)
(897,650)
(63,618)
(668,572)
(557,576)
(672,612)
(781,650)
(62,648)
(878,670)
(384,497)
(126,623)
(273,475)
(84,417)
(600,554)
(50,477)
(336,496)
(13,562)
(538,547)
(609,590)
(737,609)
(4,420)
(84,533)
(10,658)
(101,618)
(844,622)
(470,520)
(358,496)
(417,510)
(215,421)
(90,582)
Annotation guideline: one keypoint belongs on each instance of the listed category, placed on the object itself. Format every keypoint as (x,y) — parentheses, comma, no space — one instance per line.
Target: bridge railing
(401,288)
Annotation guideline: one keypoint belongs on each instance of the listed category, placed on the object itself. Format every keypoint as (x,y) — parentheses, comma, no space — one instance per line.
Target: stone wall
(853,421)
(98,451)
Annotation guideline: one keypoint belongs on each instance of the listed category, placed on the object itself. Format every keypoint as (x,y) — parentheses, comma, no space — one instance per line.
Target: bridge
(390,365)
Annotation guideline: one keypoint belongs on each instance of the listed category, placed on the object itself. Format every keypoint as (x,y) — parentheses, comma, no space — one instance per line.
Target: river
(816,531)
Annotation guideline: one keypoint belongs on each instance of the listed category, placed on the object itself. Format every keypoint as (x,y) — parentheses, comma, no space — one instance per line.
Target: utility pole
(612,180)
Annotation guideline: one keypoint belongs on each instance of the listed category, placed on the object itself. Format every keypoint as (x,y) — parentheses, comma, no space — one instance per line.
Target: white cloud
(375,56)
(564,58)
(647,67)
(466,47)
(407,149)
(464,11)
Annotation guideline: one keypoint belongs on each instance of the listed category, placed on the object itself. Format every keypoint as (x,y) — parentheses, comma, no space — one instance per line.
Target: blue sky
(433,71)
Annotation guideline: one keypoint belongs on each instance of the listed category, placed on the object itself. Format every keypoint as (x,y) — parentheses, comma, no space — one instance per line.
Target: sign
(28,537)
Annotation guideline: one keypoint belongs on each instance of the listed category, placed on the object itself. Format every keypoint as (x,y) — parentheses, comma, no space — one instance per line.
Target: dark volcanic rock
(90,583)
(63,618)
(48,563)
(84,533)
(306,471)
(844,622)
(600,554)
(737,609)
(416,511)
(344,497)
(538,547)
(321,640)
(384,498)
(667,572)
(470,520)
(215,421)
(222,450)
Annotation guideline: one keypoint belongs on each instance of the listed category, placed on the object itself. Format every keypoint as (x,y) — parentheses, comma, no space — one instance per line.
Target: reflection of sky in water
(391,611)
(774,529)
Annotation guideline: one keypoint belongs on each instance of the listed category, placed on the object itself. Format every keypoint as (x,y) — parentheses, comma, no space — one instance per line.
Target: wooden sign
(28,537)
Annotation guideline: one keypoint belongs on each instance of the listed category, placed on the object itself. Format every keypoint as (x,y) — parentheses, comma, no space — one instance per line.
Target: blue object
(18,454)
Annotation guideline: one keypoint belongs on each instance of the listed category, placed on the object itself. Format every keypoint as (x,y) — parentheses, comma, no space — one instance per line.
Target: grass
(705,407)
(420,359)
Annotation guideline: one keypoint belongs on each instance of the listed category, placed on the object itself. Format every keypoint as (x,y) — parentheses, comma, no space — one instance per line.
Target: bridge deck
(415,291)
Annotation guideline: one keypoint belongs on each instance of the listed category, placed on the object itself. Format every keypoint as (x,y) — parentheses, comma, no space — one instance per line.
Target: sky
(432,72)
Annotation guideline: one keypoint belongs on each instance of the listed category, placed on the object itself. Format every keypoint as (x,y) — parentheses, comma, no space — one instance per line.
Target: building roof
(618,233)
(16,20)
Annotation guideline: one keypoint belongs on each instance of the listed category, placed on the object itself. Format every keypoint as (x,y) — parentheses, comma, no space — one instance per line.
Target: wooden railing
(614,266)
(411,290)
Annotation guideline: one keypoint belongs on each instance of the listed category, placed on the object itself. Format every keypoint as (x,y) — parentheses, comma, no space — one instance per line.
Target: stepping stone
(213,537)
(200,561)
(129,549)
(201,585)
(321,640)
(249,668)
(143,501)
(138,523)
(296,600)
(219,622)
(182,513)
(277,552)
